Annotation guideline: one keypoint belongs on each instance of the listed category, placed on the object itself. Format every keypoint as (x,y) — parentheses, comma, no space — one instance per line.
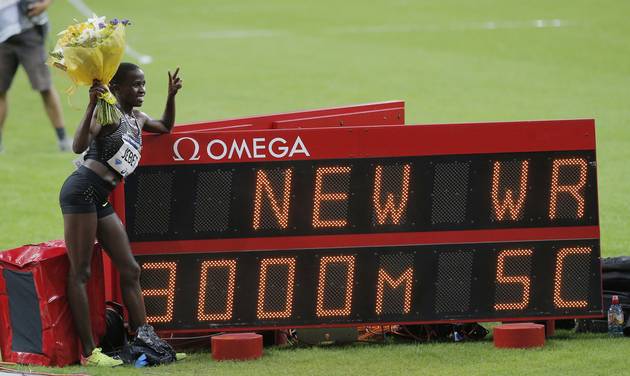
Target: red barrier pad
(36,325)
(518,336)
(237,346)
(392,116)
(267,121)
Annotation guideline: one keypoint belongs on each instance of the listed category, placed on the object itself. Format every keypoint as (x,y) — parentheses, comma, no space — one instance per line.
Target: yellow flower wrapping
(84,64)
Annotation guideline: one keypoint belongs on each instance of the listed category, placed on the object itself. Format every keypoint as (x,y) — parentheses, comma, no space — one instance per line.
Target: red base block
(518,336)
(237,346)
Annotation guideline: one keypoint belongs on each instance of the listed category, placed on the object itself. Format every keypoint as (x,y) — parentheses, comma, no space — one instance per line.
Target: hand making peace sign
(174,83)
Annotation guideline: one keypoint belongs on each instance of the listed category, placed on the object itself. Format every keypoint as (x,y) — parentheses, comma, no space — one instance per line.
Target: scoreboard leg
(550,328)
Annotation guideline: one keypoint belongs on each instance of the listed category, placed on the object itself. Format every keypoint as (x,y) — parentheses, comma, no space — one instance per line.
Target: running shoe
(98,359)
(180,356)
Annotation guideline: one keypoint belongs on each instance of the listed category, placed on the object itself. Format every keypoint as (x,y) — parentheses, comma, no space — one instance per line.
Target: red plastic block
(517,336)
(237,346)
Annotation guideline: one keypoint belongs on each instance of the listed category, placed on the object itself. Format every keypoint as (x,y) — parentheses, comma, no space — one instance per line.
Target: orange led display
(321,311)
(558,300)
(230,265)
(508,204)
(522,280)
(335,196)
(384,277)
(168,292)
(262,285)
(460,230)
(281,211)
(390,209)
(573,190)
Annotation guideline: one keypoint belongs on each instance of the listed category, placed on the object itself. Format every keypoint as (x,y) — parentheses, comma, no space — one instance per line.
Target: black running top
(103,148)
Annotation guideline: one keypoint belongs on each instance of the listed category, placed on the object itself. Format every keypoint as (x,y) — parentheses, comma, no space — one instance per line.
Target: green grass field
(451,60)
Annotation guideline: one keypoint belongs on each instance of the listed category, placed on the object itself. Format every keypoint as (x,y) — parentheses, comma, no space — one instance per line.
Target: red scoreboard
(289,227)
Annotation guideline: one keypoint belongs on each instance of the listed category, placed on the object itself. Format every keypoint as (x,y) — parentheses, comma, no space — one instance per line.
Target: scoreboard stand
(328,218)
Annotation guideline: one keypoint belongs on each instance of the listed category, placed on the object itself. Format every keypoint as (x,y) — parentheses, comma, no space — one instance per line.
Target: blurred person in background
(23,29)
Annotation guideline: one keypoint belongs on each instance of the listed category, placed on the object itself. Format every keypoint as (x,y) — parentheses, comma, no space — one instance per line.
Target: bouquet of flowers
(89,51)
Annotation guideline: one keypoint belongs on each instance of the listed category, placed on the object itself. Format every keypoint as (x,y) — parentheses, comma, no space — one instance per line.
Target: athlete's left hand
(174,83)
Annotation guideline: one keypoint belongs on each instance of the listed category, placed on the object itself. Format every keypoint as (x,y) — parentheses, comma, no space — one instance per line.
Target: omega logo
(256,148)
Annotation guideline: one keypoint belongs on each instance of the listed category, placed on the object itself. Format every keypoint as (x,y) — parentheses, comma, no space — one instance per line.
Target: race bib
(126,158)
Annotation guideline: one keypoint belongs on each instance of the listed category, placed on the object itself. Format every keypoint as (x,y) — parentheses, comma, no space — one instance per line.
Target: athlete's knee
(130,273)
(79,275)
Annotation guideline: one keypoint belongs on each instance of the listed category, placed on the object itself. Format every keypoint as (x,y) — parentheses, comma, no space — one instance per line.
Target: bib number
(126,158)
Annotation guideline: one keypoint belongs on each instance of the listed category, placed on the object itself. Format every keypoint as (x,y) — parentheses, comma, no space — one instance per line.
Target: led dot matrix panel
(371,285)
(339,226)
(362,196)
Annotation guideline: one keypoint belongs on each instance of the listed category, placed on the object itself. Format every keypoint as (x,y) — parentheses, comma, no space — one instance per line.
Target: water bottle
(615,318)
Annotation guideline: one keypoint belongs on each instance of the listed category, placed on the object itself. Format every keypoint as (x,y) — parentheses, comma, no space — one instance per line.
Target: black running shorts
(85,192)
